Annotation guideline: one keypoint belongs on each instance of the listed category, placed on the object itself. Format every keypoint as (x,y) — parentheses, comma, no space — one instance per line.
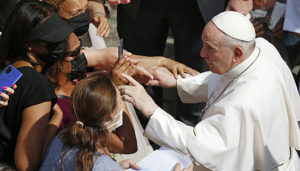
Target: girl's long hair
(92,100)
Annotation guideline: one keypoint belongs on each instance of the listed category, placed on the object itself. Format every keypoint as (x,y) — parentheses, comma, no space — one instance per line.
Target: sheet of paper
(277,14)
(292,15)
(163,159)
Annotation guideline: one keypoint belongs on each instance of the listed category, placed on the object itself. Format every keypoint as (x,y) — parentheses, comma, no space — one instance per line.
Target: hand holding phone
(9,76)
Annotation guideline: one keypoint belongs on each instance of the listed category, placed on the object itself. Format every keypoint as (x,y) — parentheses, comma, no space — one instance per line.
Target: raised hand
(126,164)
(137,95)
(162,77)
(101,23)
(125,65)
(178,167)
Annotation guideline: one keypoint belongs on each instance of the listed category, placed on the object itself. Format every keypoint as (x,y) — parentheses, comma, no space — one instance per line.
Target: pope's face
(216,53)
(71,8)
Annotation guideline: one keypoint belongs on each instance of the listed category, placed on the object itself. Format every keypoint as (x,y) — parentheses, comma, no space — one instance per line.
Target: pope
(250,120)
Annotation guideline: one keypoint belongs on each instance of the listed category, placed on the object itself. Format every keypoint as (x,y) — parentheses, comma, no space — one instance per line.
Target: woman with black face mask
(77,13)
(62,73)
(34,39)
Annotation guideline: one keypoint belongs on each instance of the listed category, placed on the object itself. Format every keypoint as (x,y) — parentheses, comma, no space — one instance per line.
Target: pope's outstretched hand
(162,77)
(137,95)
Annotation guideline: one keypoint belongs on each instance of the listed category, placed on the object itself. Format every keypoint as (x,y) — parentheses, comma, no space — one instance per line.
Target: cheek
(219,64)
(64,14)
(67,67)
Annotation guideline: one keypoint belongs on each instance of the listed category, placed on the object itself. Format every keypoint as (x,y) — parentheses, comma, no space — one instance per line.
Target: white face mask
(118,123)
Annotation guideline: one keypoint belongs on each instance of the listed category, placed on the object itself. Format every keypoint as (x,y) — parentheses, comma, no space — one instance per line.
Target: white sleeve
(163,129)
(213,144)
(194,89)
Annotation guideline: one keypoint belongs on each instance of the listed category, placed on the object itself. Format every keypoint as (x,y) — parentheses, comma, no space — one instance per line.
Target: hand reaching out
(159,61)
(242,6)
(259,28)
(278,29)
(178,68)
(162,77)
(125,65)
(178,167)
(114,3)
(126,164)
(137,95)
(102,24)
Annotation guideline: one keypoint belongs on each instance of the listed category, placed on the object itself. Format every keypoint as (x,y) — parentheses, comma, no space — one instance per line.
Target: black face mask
(80,23)
(79,66)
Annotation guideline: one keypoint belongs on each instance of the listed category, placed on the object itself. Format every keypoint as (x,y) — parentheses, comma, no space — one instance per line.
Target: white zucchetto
(235,25)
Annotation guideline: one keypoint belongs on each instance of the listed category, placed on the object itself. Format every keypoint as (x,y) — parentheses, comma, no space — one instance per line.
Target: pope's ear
(238,53)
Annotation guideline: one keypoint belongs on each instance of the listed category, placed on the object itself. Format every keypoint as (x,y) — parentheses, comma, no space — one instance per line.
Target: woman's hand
(178,167)
(125,65)
(162,77)
(113,3)
(278,29)
(5,96)
(241,6)
(98,18)
(178,68)
(126,164)
(259,28)
(52,127)
(104,59)
(160,61)
(137,95)
(56,117)
(101,23)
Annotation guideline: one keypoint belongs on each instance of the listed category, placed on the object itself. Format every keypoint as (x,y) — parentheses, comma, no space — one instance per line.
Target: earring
(29,48)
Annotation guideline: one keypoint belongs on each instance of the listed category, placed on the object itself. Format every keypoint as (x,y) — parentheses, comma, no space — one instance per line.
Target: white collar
(242,66)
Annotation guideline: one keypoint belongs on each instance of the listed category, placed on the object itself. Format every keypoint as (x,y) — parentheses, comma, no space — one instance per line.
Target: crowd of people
(238,99)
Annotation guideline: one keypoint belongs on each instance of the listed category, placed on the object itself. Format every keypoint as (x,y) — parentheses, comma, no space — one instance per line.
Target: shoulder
(32,77)
(34,88)
(53,157)
(103,163)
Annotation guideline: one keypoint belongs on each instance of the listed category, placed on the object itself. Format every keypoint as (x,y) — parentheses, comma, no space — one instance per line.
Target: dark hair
(54,3)
(53,71)
(5,9)
(92,100)
(26,15)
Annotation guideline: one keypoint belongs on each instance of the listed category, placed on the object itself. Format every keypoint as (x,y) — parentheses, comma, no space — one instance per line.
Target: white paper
(277,13)
(292,15)
(163,159)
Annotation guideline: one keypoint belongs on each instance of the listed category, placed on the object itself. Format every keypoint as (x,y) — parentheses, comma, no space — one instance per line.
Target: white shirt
(253,123)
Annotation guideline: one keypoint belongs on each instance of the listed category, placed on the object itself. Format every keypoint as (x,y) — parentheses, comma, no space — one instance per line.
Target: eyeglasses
(76,52)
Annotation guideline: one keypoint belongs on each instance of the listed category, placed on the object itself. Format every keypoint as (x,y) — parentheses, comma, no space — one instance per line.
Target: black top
(33,88)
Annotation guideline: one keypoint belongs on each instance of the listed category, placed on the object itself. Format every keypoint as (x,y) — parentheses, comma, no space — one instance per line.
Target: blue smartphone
(120,49)
(10,75)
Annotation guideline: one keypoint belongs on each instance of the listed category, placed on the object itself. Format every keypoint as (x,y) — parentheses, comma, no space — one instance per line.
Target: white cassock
(251,126)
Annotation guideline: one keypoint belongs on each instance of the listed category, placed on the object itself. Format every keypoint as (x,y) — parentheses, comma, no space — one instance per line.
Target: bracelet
(100,13)
(101,1)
